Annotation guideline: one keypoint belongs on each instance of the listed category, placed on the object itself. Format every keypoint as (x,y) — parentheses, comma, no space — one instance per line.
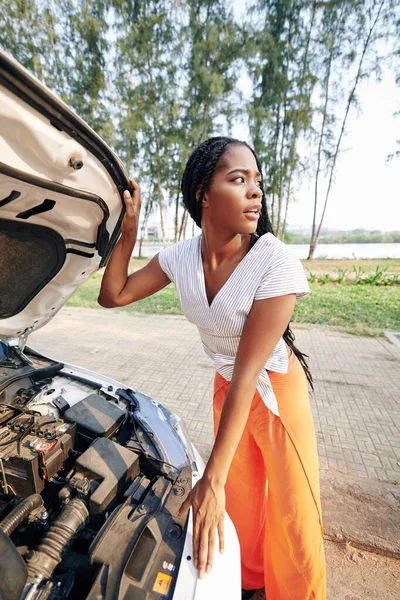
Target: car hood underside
(60,202)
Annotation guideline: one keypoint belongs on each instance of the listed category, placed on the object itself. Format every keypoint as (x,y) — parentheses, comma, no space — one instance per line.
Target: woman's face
(232,202)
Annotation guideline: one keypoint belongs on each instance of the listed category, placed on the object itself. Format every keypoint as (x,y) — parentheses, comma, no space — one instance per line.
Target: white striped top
(266,271)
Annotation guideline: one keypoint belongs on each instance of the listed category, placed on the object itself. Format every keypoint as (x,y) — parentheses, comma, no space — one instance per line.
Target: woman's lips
(252,216)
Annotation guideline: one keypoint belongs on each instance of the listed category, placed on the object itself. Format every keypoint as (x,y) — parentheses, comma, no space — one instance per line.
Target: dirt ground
(358,575)
(368,265)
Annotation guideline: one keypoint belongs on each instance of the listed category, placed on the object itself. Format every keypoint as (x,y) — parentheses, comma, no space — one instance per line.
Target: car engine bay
(88,502)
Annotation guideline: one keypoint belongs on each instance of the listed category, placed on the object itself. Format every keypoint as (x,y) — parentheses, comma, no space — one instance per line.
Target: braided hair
(195,182)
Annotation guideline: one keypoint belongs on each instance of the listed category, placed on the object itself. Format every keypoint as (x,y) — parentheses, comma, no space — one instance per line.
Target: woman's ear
(204,200)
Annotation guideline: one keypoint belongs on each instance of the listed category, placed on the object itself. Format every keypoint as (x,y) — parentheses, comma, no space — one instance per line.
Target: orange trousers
(272,492)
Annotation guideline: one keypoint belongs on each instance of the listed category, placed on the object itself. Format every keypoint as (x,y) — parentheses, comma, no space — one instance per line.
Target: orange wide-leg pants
(272,492)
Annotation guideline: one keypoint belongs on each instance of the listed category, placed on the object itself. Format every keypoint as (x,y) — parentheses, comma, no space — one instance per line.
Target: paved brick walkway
(356,404)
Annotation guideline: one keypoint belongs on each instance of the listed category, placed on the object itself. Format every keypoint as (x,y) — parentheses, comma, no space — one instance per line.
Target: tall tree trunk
(157,157)
(184,216)
(185,225)
(322,131)
(129,114)
(285,123)
(296,124)
(147,212)
(286,207)
(349,103)
(275,162)
(176,221)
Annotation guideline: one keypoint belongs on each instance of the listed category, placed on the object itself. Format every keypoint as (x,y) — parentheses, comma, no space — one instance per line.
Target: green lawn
(358,309)
(165,302)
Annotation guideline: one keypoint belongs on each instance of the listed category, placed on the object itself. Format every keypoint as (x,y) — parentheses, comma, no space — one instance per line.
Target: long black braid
(196,179)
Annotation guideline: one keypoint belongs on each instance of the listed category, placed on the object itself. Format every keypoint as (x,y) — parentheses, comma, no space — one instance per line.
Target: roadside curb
(363,512)
(394,337)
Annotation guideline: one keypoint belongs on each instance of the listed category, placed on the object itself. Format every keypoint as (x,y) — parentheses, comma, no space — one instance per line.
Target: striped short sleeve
(284,275)
(167,260)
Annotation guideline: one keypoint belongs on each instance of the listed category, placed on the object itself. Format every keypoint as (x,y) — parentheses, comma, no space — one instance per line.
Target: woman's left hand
(207,499)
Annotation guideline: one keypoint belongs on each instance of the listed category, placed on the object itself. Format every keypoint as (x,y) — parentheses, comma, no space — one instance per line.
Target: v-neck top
(269,269)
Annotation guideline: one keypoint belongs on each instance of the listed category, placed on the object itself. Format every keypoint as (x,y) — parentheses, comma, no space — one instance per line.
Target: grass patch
(164,302)
(361,310)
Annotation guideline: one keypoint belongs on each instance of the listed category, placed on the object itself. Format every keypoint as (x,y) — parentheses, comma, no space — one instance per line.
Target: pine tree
(280,66)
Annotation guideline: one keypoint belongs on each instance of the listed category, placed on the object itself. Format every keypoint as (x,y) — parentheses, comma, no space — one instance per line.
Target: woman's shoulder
(183,247)
(271,247)
(174,254)
(283,272)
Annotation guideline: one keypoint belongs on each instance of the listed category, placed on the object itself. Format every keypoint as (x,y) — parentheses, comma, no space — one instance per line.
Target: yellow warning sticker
(162,583)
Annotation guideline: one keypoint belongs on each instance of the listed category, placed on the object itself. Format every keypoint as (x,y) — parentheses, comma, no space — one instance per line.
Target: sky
(366,192)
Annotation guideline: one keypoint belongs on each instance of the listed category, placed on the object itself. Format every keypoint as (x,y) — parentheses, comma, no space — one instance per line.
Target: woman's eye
(242,180)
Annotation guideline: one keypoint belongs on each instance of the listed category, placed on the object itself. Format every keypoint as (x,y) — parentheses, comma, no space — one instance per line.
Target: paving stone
(356,402)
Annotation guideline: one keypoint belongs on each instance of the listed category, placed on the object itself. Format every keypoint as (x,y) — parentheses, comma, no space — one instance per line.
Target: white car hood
(60,202)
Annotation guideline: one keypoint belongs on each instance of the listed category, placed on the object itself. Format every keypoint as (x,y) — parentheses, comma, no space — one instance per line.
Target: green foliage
(364,310)
(376,277)
(279,56)
(213,49)
(64,43)
(341,274)
(358,274)
(22,34)
(154,78)
(325,278)
(312,277)
(392,280)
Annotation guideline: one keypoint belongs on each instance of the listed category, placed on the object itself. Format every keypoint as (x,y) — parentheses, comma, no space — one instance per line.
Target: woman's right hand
(132,201)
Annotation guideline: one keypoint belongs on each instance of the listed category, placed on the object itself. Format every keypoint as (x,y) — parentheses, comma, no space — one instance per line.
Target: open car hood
(61,203)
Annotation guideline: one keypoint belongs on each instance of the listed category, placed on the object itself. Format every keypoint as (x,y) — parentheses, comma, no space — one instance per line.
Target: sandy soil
(367,265)
(358,575)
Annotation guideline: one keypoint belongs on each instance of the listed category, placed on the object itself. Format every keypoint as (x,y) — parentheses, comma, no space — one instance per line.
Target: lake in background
(350,251)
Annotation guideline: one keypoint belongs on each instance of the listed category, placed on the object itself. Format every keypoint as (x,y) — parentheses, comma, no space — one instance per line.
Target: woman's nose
(255,191)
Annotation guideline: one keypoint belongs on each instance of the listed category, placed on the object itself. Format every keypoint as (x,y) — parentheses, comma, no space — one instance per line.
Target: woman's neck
(219,248)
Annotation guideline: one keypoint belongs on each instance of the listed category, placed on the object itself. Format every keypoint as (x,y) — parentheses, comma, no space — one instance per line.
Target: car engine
(87,504)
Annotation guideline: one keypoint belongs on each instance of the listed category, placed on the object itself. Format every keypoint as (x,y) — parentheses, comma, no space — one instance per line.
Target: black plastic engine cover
(139,549)
(110,464)
(95,417)
(14,573)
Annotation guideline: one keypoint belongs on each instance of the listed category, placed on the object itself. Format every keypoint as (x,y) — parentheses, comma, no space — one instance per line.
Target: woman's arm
(264,327)
(117,288)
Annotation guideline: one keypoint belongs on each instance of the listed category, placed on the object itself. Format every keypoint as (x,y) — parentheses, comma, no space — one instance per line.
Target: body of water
(338,251)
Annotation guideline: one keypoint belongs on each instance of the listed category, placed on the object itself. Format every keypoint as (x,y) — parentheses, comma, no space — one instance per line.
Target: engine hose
(20,512)
(46,557)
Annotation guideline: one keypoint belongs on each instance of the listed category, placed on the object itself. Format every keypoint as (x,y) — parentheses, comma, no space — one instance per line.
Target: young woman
(238,283)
